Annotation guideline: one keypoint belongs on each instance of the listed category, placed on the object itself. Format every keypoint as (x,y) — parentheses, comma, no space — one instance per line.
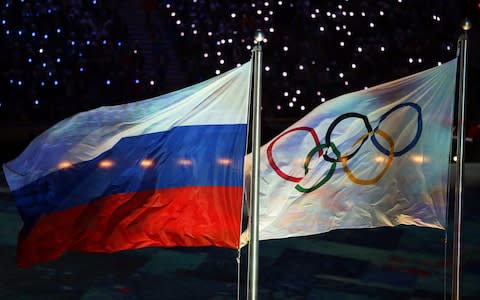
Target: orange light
(105,164)
(185,162)
(146,163)
(379,159)
(419,159)
(64,165)
(224,161)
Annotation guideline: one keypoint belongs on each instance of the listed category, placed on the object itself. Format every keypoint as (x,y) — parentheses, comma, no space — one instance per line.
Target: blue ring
(417,135)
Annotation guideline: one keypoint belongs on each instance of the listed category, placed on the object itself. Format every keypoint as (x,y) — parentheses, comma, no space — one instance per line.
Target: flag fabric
(376,157)
(167,171)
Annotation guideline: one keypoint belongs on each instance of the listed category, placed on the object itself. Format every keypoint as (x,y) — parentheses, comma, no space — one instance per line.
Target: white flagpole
(252,285)
(458,213)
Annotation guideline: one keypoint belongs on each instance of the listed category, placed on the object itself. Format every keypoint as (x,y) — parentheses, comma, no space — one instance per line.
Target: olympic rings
(270,156)
(417,135)
(390,153)
(318,149)
(387,165)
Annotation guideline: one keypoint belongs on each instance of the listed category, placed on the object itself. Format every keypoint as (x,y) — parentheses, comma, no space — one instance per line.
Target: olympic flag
(376,157)
(166,171)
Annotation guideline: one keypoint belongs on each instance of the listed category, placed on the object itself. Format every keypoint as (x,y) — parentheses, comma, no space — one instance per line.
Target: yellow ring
(387,165)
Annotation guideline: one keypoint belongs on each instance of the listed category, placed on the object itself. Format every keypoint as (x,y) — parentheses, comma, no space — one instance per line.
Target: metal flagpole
(252,285)
(458,213)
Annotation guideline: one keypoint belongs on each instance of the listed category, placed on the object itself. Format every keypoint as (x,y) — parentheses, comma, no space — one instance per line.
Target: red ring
(274,165)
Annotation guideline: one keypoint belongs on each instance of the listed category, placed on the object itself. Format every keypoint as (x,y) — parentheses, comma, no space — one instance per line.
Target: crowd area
(62,57)
(314,51)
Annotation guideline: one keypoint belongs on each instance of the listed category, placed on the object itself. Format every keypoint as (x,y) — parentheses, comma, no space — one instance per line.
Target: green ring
(330,171)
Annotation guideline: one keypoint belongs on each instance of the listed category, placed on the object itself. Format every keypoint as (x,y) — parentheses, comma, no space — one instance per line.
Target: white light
(340,6)
(439,63)
(266,19)
(222,41)
(319,93)
(455,158)
(36,102)
(382,49)
(399,1)
(266,4)
(329,13)
(372,25)
(219,53)
(365,87)
(351,14)
(349,33)
(285,94)
(354,66)
(342,44)
(230,41)
(381,13)
(337,28)
(238,65)
(152,82)
(346,82)
(410,60)
(448,48)
(182,33)
(217,72)
(334,16)
(233,15)
(209,33)
(284,74)
(279,107)
(58,60)
(249,47)
(280,2)
(294,99)
(341,75)
(313,16)
(271,29)
(267,68)
(135,51)
(302,107)
(344,26)
(222,61)
(322,28)
(173,14)
(285,48)
(40,50)
(300,67)
(259,12)
(322,99)
(419,60)
(298,92)
(317,10)
(168,5)
(290,104)
(359,49)
(363,14)
(107,82)
(195,31)
(178,22)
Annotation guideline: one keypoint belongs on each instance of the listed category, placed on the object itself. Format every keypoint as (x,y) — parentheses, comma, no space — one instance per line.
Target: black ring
(328,142)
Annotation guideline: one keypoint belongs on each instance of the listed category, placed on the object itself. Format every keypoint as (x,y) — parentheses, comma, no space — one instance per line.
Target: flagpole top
(466,25)
(259,36)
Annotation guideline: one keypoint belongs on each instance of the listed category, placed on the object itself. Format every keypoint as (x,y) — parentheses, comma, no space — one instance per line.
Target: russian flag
(166,171)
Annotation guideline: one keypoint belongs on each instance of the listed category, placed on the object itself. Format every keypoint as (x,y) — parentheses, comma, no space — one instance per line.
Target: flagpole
(252,285)
(458,213)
